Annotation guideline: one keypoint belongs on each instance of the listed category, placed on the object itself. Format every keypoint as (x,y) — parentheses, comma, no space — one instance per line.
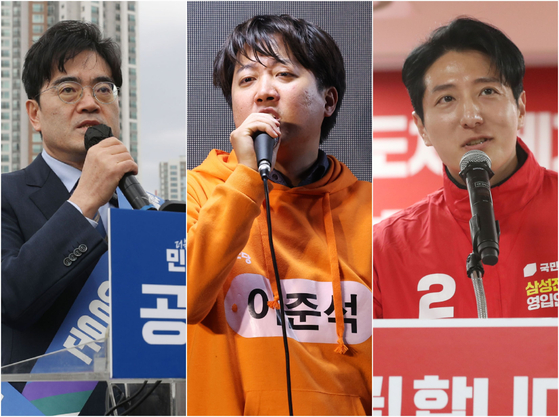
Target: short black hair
(311,46)
(463,34)
(61,43)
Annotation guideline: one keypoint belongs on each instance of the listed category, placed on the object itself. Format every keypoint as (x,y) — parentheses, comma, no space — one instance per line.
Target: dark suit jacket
(39,230)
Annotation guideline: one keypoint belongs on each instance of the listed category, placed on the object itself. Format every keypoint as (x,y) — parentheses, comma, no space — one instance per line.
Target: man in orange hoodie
(285,77)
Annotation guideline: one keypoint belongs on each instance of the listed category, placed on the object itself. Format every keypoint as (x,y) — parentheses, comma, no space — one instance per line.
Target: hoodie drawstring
(263,227)
(334,270)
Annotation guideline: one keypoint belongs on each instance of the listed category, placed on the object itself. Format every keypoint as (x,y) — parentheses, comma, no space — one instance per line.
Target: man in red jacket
(465,84)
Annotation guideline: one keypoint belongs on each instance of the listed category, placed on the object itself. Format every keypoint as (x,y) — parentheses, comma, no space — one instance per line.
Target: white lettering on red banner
(432,394)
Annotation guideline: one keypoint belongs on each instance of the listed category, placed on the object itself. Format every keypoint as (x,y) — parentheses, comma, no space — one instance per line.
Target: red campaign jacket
(419,254)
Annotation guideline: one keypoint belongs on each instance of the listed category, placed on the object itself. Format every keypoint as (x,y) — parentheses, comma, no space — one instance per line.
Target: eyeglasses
(71,92)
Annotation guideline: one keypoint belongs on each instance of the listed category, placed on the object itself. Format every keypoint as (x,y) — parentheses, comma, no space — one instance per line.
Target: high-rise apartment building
(172,179)
(23,22)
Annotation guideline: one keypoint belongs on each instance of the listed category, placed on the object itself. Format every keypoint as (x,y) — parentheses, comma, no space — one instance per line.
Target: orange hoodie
(322,241)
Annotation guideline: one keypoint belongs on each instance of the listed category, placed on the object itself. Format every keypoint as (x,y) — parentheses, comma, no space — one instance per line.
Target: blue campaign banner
(147,274)
(15,404)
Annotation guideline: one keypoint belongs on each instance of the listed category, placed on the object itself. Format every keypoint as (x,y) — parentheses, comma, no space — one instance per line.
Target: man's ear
(421,129)
(521,102)
(330,100)
(33,110)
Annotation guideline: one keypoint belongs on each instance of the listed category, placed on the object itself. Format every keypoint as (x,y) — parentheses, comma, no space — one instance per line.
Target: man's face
(467,107)
(63,125)
(289,92)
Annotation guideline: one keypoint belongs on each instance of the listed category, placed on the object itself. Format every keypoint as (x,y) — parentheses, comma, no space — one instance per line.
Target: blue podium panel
(147,273)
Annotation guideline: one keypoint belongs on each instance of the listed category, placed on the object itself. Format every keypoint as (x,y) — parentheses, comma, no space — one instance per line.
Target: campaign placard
(147,274)
(465,367)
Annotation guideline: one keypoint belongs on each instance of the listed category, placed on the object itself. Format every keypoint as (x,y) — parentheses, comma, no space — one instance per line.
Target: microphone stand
(475,170)
(475,272)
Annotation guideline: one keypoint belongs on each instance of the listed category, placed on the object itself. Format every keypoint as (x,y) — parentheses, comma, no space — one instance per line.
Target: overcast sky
(162,73)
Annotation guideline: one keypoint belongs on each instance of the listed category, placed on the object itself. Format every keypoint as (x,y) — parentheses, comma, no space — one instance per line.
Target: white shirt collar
(67,174)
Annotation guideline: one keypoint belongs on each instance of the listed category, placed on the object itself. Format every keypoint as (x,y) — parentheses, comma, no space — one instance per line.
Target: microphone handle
(264,149)
(128,184)
(483,227)
(134,192)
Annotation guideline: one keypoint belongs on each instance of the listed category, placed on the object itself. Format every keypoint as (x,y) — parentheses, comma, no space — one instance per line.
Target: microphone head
(95,134)
(474,157)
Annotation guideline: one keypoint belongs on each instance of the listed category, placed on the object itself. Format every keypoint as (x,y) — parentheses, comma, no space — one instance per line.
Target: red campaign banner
(460,367)
(405,170)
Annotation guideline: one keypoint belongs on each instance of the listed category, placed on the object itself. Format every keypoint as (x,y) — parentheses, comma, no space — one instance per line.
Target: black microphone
(475,170)
(264,147)
(128,184)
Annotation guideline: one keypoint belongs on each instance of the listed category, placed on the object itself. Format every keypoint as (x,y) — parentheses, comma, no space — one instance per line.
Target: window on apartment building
(37,29)
(38,18)
(36,138)
(38,8)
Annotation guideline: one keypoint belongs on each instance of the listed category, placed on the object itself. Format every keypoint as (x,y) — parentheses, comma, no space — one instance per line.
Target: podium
(146,336)
(465,367)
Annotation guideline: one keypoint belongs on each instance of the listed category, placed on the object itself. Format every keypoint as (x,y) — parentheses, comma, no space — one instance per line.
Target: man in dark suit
(52,237)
